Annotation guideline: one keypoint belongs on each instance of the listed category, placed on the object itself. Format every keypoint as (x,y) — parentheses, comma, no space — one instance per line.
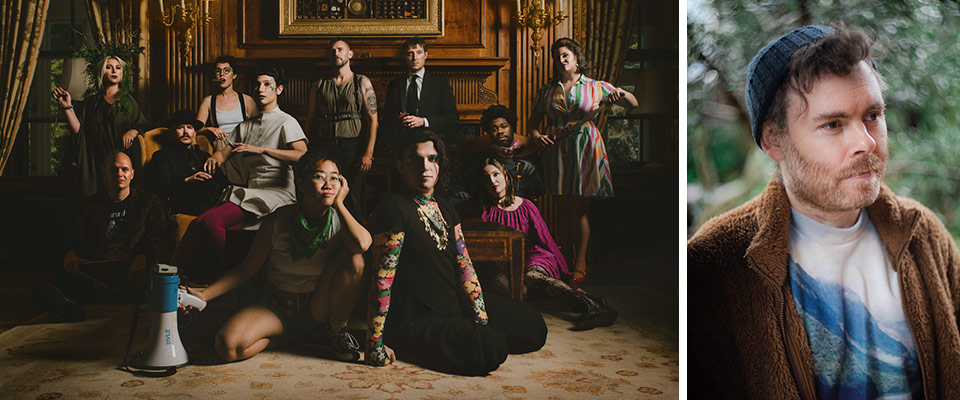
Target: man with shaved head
(121,233)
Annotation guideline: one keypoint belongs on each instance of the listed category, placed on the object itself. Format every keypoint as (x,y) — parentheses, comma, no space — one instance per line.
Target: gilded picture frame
(431,25)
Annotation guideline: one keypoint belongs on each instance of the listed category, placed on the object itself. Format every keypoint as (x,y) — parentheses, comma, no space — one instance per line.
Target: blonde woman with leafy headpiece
(107,121)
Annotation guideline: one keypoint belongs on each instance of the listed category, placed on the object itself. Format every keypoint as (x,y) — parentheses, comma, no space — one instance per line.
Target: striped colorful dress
(578,163)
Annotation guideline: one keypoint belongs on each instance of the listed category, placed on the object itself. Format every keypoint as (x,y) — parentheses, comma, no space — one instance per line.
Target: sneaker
(344,346)
(595,319)
(53,300)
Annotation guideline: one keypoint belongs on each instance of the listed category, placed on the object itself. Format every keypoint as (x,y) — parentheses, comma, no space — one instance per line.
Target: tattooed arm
(386,253)
(370,118)
(471,285)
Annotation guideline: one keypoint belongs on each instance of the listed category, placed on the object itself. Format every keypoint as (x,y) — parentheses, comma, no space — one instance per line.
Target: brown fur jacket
(745,336)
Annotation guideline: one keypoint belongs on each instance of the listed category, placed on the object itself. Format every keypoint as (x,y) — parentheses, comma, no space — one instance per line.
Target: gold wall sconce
(182,17)
(537,15)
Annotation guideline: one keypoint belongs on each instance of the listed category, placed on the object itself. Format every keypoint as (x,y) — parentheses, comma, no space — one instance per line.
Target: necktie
(413,101)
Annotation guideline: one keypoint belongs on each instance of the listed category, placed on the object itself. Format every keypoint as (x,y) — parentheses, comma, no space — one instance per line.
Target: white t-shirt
(849,299)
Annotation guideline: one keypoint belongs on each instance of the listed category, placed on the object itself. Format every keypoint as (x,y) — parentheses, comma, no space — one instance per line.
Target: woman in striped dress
(575,162)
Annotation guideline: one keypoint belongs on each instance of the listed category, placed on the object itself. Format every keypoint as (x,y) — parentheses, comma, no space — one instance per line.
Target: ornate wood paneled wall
(531,73)
(475,54)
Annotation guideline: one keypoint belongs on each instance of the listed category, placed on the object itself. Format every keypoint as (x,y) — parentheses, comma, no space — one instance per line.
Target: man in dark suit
(419,98)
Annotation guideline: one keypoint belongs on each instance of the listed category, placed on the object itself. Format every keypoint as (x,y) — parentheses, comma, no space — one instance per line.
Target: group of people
(263,173)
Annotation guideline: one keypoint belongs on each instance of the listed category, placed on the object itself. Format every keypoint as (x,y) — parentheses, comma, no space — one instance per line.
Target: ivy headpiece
(95,52)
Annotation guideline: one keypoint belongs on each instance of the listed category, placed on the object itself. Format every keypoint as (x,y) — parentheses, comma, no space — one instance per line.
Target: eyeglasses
(333,178)
(223,71)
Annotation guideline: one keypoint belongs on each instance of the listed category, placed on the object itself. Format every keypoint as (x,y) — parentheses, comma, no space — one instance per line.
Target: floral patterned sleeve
(386,252)
(471,285)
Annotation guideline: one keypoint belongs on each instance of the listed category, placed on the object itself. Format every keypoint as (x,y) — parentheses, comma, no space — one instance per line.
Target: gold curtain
(21,31)
(603,28)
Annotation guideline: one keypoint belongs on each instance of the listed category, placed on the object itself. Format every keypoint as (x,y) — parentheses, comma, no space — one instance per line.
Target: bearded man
(826,285)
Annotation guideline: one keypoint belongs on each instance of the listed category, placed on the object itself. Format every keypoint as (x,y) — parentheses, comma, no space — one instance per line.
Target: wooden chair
(156,139)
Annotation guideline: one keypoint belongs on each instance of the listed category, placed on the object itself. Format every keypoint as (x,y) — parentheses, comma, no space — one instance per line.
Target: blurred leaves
(918,43)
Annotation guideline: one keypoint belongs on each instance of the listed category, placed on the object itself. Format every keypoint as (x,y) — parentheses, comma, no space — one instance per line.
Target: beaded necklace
(433,222)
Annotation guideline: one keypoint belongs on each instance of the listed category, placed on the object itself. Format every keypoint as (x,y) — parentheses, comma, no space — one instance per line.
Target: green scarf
(304,239)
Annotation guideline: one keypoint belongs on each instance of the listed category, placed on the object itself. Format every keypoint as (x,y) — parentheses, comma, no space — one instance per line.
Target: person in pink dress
(546,269)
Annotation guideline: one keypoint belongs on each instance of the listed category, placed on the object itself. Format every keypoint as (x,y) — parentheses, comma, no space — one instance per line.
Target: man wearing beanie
(826,285)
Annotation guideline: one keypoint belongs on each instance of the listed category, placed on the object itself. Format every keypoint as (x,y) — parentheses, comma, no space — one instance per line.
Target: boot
(593,314)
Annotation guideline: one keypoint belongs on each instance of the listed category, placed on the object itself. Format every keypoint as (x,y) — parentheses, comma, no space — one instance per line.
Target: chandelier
(537,15)
(182,17)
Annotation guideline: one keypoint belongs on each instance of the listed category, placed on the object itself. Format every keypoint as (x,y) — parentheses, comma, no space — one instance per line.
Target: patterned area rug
(79,360)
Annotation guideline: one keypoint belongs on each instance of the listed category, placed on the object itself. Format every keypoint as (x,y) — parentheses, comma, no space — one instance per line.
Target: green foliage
(95,52)
(917,48)
(64,147)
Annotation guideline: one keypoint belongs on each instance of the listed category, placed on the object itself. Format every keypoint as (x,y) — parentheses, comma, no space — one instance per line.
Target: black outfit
(144,228)
(436,103)
(102,126)
(430,321)
(110,235)
(168,169)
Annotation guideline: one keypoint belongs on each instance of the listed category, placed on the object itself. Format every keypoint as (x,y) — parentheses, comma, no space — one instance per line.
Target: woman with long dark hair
(575,161)
(546,269)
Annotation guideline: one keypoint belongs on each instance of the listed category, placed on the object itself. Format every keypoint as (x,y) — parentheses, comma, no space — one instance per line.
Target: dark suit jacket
(437,104)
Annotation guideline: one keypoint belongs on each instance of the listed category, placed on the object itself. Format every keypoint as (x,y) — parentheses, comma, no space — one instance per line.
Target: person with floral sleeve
(439,317)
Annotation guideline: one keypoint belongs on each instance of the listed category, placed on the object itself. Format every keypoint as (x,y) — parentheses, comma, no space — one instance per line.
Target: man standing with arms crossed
(826,285)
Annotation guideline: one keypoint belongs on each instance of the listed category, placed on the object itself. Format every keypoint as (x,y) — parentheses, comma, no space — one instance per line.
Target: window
(648,135)
(44,144)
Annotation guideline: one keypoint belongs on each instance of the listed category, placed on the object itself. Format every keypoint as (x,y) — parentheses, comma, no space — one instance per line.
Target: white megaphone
(163,349)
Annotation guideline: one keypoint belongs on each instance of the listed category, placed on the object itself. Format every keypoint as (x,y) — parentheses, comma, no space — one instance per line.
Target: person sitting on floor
(176,170)
(257,163)
(546,269)
(439,316)
(313,251)
(119,235)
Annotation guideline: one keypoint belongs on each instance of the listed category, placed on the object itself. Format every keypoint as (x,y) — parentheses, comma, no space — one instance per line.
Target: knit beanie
(768,68)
